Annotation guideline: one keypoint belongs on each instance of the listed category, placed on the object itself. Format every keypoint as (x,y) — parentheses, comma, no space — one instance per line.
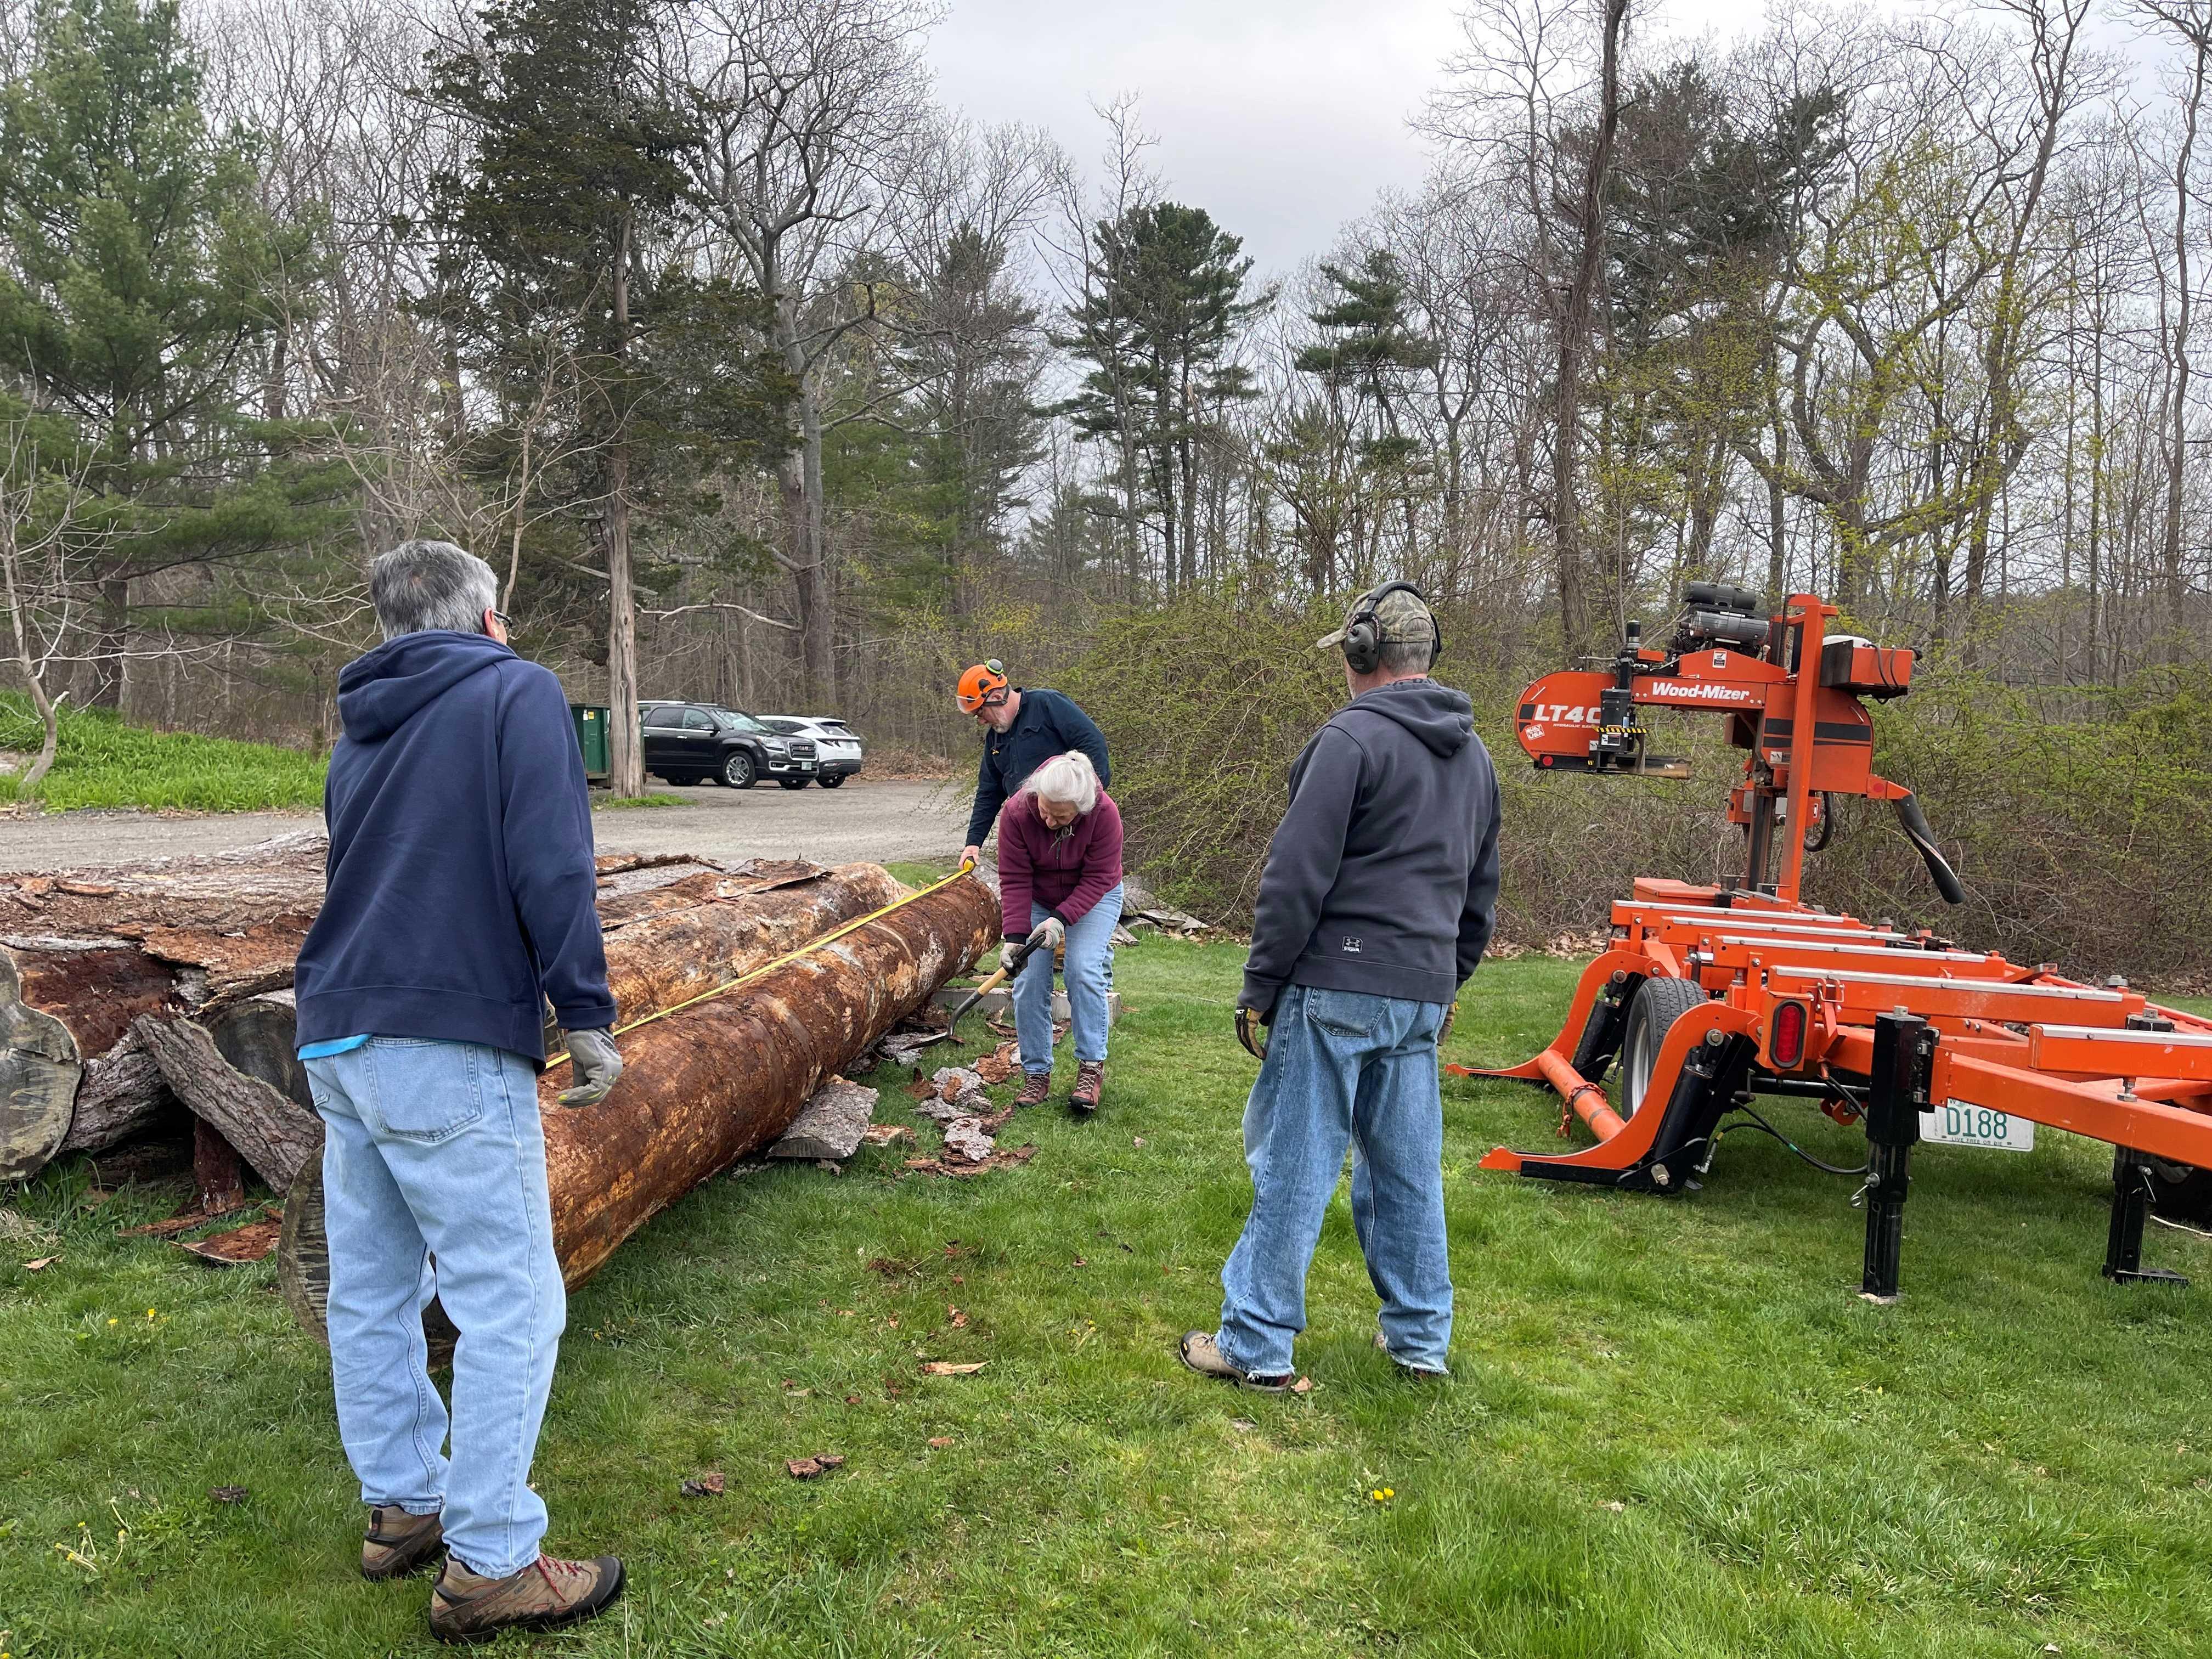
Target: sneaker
(1035,1086)
(397,1543)
(1203,1355)
(1089,1083)
(1418,1373)
(546,1594)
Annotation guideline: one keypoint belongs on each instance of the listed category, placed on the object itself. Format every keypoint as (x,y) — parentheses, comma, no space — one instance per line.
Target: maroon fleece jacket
(1066,870)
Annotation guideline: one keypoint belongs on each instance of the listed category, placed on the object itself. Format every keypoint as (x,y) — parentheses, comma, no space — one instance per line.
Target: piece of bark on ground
(831,1124)
(966,1139)
(946,1166)
(255,1242)
(271,1131)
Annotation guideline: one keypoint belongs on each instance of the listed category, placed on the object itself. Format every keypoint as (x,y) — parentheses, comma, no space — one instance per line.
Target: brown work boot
(1089,1083)
(1035,1085)
(546,1594)
(397,1543)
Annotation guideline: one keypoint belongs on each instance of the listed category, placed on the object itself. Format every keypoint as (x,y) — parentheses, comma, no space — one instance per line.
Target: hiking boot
(1089,1083)
(546,1594)
(397,1543)
(1203,1355)
(1418,1373)
(1035,1085)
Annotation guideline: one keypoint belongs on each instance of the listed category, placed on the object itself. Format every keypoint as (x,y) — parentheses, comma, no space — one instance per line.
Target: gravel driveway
(882,821)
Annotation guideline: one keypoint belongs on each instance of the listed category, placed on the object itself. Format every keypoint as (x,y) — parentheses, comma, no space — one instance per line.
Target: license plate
(1955,1123)
(806,766)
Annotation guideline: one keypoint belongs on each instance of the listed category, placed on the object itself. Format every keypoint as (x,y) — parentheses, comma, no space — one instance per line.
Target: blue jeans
(1089,975)
(434,1183)
(1343,1067)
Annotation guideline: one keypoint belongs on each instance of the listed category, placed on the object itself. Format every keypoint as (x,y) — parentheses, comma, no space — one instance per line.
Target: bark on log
(62,1001)
(270,1133)
(706,1086)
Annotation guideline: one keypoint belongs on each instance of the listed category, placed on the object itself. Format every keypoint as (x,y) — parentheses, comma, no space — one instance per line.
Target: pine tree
(570,174)
(1168,304)
(138,280)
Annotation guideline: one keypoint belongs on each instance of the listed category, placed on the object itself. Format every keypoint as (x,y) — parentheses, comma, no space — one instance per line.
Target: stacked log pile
(153,999)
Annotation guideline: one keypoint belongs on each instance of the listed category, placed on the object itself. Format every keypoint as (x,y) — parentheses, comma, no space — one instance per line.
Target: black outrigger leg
(1904,1061)
(2132,1192)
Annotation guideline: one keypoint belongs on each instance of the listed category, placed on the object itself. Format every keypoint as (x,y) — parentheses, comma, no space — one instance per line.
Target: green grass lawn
(104,762)
(1674,1430)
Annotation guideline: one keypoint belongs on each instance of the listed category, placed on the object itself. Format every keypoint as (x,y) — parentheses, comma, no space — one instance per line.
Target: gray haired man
(1375,905)
(460,899)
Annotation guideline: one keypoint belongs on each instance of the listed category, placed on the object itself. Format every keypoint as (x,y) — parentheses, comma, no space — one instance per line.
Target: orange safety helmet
(983,686)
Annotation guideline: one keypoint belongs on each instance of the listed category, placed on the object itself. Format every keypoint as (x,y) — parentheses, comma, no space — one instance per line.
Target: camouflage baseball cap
(1403,619)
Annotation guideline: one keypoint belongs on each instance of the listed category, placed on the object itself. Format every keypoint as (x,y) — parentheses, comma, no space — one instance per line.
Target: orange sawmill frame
(1761,993)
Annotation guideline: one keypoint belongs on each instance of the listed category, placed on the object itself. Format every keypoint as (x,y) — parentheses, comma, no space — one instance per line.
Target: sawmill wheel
(1659,1003)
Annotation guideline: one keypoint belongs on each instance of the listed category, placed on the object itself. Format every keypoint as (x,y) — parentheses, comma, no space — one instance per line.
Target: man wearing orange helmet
(1024,728)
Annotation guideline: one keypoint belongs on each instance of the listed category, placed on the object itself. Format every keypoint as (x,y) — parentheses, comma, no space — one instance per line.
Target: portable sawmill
(1709,996)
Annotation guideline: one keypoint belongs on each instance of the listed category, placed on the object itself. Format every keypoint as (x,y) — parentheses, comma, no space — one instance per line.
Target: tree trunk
(112,640)
(625,743)
(1574,325)
(706,1086)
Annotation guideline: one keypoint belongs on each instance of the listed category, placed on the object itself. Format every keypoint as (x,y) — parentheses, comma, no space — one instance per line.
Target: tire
(1597,1050)
(1659,1003)
(832,783)
(2181,1192)
(792,783)
(739,770)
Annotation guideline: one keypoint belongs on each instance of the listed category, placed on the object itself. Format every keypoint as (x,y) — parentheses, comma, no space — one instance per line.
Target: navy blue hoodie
(1382,876)
(1049,724)
(462,888)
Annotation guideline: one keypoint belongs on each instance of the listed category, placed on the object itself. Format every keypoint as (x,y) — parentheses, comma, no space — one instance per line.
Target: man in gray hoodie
(1375,906)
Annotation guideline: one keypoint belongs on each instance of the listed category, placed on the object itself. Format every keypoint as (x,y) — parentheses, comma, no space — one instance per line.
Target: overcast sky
(1281,118)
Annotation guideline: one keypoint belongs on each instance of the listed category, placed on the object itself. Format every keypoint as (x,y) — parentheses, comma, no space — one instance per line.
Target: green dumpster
(590,721)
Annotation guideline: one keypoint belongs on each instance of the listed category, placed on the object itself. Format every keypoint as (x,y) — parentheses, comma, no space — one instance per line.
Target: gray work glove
(596,1064)
(1052,932)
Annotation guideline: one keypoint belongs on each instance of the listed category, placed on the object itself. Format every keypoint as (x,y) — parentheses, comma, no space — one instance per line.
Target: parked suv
(836,745)
(685,741)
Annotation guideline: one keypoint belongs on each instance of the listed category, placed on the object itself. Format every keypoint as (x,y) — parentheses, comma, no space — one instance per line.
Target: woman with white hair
(1059,882)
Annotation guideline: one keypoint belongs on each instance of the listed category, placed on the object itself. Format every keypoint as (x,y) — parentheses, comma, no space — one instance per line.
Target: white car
(836,745)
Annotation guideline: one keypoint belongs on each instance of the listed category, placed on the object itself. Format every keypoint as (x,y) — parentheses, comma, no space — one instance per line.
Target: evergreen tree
(1157,329)
(137,281)
(570,174)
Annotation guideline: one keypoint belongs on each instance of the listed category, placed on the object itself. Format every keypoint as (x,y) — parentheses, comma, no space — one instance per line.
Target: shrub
(2082,833)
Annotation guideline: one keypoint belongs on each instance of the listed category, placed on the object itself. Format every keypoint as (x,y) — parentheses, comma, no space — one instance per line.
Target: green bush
(2081,831)
(103,760)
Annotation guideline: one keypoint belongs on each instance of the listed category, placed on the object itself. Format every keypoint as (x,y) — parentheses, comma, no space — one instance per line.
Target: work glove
(1051,934)
(1251,1032)
(596,1064)
(1010,954)
(1451,1013)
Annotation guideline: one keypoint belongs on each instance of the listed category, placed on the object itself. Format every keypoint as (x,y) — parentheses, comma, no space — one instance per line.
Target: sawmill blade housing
(1709,996)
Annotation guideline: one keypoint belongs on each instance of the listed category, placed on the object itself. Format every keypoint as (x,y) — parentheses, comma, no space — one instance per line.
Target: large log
(703,1087)
(205,936)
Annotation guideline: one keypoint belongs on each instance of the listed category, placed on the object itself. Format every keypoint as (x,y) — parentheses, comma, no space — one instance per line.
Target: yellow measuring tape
(783,961)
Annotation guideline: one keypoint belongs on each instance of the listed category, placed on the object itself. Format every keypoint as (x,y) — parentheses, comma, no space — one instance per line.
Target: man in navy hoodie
(1375,905)
(460,899)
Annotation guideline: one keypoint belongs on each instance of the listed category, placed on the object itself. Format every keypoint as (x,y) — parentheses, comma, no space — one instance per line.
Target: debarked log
(703,1087)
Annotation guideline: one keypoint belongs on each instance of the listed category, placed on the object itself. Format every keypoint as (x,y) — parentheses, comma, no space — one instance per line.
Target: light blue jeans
(1343,1068)
(1089,976)
(434,1183)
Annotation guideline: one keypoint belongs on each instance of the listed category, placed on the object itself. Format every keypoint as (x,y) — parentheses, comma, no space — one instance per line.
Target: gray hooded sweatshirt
(1382,876)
